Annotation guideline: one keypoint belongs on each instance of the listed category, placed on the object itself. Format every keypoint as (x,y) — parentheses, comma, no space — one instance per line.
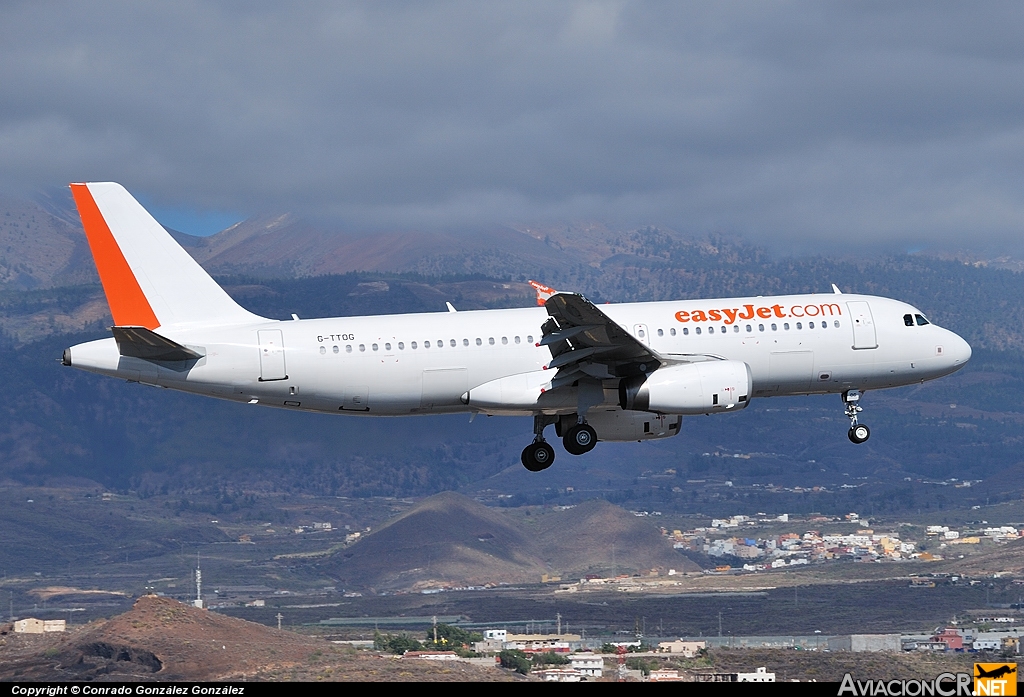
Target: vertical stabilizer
(149,280)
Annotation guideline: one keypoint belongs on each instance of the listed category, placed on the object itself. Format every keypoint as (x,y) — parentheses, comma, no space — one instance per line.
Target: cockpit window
(921,321)
(908,320)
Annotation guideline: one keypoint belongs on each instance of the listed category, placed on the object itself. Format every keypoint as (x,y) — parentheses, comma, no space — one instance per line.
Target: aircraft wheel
(580,439)
(859,433)
(538,456)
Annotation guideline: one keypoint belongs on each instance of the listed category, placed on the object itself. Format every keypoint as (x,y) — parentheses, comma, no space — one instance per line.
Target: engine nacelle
(625,425)
(707,387)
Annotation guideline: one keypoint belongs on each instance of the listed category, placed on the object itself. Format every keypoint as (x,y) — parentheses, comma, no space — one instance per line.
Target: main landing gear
(539,454)
(858,432)
(578,438)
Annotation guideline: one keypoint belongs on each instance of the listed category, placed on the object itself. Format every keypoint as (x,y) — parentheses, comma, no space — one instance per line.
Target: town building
(31,625)
(589,665)
(686,649)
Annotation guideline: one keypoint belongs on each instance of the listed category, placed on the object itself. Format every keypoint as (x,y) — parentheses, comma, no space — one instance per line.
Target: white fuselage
(427,363)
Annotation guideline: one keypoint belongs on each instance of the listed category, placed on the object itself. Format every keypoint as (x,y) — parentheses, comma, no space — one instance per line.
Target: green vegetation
(451,638)
(641,664)
(395,643)
(516,660)
(550,659)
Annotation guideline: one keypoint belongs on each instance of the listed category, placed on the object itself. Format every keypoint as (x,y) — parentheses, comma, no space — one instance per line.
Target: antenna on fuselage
(835,289)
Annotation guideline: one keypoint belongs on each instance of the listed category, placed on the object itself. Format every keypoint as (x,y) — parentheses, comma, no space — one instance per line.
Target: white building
(759,675)
(31,625)
(589,665)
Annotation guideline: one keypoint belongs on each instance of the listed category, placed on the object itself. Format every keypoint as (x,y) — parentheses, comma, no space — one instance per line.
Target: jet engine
(706,387)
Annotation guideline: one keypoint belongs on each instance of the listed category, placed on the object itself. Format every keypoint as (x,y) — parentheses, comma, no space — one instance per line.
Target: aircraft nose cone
(960,351)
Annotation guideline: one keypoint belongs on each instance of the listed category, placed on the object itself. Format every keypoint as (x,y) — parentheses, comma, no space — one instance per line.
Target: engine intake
(690,388)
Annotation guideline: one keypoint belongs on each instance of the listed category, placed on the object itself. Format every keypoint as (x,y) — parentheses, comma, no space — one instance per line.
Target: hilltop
(162,639)
(449,539)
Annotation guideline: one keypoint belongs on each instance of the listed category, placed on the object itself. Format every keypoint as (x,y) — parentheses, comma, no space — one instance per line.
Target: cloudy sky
(871,123)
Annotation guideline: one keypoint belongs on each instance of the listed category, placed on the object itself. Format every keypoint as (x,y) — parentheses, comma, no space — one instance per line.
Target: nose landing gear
(858,432)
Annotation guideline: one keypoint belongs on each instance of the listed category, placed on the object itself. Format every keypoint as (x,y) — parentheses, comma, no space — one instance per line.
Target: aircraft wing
(585,341)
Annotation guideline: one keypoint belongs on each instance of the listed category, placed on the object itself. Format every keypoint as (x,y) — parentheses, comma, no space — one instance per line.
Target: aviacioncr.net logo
(944,685)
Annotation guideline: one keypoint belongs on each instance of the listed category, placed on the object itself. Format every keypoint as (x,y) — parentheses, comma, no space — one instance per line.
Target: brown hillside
(161,639)
(451,539)
(585,539)
(39,249)
(446,538)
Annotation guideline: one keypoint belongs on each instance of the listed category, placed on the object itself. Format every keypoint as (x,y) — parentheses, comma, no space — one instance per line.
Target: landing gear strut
(539,455)
(858,432)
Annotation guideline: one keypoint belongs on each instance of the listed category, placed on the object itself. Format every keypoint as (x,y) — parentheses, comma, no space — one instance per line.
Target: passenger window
(785,325)
(529,339)
(517,339)
(810,325)
(335,349)
(723,330)
(775,327)
(661,332)
(426,344)
(711,330)
(348,348)
(908,320)
(672,332)
(374,347)
(641,333)
(749,329)
(440,343)
(479,342)
(323,350)
(412,345)
(921,321)
(736,329)
(686,331)
(799,325)
(362,348)
(491,341)
(452,343)
(387,347)
(465,342)
(836,323)
(504,340)
(760,327)
(401,345)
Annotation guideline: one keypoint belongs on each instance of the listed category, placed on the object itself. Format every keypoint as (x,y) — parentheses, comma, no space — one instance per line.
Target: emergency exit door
(271,355)
(863,326)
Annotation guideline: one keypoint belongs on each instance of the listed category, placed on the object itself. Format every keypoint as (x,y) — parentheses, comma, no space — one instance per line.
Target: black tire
(859,433)
(579,439)
(538,456)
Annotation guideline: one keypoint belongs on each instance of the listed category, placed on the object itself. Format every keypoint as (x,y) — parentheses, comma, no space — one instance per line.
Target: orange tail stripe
(127,302)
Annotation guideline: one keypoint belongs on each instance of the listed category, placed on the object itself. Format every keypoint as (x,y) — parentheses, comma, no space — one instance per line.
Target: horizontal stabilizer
(140,342)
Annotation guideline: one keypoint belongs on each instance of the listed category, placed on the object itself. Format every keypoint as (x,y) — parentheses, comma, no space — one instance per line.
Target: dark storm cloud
(800,121)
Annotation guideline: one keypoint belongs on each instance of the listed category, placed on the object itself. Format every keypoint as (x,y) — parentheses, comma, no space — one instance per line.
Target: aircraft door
(641,333)
(863,325)
(271,355)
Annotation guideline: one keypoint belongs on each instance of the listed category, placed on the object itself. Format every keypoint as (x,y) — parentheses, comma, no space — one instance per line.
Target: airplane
(1004,669)
(618,372)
